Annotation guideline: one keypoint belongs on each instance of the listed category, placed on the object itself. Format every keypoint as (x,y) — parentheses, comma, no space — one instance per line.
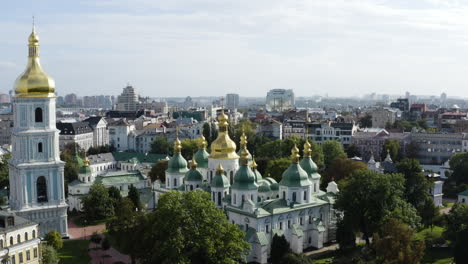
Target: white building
(261,207)
(19,239)
(76,133)
(232,101)
(463,197)
(279,100)
(120,135)
(382,117)
(36,171)
(128,100)
(100,133)
(324,131)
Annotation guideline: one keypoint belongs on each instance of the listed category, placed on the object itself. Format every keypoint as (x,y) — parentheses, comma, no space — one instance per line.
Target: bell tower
(36,171)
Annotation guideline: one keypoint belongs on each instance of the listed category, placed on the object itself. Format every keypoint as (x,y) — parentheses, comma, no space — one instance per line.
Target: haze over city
(179,48)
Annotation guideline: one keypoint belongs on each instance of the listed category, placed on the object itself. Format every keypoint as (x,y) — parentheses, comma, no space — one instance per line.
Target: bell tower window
(39,147)
(38,115)
(41,189)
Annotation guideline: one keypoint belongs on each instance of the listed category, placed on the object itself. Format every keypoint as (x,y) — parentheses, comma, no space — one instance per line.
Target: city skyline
(185,48)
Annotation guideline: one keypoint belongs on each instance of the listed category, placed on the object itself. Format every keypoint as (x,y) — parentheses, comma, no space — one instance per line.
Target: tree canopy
(416,184)
(97,204)
(459,165)
(332,150)
(275,168)
(188,228)
(160,145)
(158,171)
(54,239)
(368,198)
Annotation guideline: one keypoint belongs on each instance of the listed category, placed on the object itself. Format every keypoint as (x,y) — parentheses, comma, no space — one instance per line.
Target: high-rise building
(36,178)
(71,99)
(128,100)
(279,100)
(232,101)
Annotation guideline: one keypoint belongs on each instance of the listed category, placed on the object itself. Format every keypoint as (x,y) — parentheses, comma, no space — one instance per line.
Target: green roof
(244,179)
(274,186)
(120,177)
(141,157)
(193,175)
(464,193)
(295,176)
(85,170)
(270,180)
(310,167)
(201,157)
(177,164)
(264,188)
(252,236)
(220,181)
(258,176)
(78,160)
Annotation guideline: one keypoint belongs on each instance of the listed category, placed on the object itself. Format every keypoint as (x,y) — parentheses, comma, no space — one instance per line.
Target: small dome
(244,179)
(270,180)
(310,167)
(220,180)
(177,164)
(295,176)
(258,176)
(193,175)
(223,147)
(201,156)
(264,188)
(85,169)
(274,187)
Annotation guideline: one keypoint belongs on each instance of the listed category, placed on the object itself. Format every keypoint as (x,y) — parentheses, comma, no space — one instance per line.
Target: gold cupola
(223,147)
(34,82)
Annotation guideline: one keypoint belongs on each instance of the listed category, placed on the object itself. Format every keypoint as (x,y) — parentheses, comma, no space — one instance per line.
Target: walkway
(83,233)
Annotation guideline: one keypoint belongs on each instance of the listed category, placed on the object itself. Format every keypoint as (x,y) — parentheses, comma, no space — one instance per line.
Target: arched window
(219,198)
(294,196)
(284,195)
(39,147)
(26,236)
(1,243)
(41,189)
(175,182)
(11,240)
(231,179)
(38,115)
(18,238)
(34,234)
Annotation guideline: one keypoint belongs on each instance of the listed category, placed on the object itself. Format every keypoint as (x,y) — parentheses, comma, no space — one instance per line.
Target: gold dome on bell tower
(223,147)
(34,81)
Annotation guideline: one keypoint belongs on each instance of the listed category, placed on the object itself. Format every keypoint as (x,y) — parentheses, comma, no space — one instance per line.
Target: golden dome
(34,82)
(307,149)
(223,147)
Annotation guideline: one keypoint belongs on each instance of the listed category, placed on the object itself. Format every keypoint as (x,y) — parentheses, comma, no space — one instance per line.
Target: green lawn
(438,256)
(437,230)
(74,252)
(80,221)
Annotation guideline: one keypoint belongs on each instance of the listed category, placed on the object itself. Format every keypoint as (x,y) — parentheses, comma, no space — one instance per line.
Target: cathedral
(295,207)
(36,171)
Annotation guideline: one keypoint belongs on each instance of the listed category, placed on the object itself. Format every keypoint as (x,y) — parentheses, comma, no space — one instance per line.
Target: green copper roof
(141,157)
(193,175)
(274,186)
(464,193)
(308,165)
(220,181)
(258,176)
(264,188)
(270,180)
(244,179)
(201,156)
(177,164)
(85,170)
(295,176)
(78,160)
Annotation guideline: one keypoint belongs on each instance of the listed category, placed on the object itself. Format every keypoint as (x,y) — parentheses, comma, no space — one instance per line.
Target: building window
(11,240)
(18,238)
(175,183)
(281,225)
(41,187)
(267,227)
(305,195)
(35,252)
(294,196)
(284,195)
(39,147)
(289,223)
(26,236)
(28,255)
(38,115)
(219,198)
(13,259)
(300,221)
(20,256)
(1,243)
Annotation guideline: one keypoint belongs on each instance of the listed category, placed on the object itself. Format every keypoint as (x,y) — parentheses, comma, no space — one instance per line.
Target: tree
(345,235)
(460,253)
(54,239)
(114,195)
(416,185)
(395,244)
(207,132)
(457,220)
(188,228)
(365,121)
(97,204)
(160,145)
(248,128)
(4,171)
(158,171)
(459,165)
(368,198)
(127,229)
(214,132)
(392,147)
(49,255)
(429,212)
(341,168)
(412,150)
(105,245)
(134,196)
(275,168)
(189,147)
(352,151)
(332,150)
(279,248)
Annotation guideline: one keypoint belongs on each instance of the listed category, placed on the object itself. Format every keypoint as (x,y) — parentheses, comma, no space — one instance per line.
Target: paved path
(83,233)
(99,256)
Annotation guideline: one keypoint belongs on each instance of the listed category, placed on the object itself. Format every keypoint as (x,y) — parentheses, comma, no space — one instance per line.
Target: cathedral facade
(261,207)
(36,171)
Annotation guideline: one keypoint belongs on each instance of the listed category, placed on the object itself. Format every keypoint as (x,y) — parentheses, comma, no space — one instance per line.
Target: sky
(213,47)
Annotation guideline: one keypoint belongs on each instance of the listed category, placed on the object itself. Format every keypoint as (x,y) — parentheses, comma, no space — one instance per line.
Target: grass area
(74,252)
(438,256)
(447,205)
(80,221)
(436,230)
